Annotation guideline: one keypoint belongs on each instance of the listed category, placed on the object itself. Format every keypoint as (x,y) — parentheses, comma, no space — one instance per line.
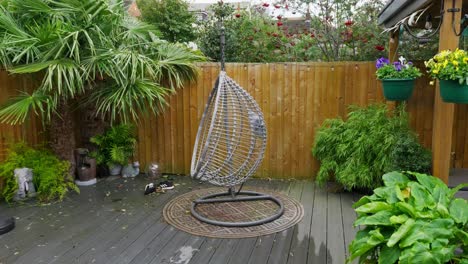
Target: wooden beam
(444,112)
(393,56)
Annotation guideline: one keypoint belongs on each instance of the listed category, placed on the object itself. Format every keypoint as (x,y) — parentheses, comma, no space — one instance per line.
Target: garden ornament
(24,178)
(131,170)
(229,147)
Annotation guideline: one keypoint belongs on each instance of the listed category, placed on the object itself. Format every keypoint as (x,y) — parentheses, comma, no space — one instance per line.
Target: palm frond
(62,77)
(128,102)
(17,109)
(177,63)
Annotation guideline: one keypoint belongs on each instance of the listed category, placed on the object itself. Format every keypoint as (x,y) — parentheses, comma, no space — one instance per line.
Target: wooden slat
(295,99)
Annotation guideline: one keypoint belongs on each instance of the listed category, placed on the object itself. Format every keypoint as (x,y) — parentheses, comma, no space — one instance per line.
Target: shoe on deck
(166,185)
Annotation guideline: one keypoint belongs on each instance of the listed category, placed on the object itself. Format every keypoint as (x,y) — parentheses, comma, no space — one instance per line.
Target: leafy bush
(51,175)
(372,141)
(116,145)
(414,218)
(171,17)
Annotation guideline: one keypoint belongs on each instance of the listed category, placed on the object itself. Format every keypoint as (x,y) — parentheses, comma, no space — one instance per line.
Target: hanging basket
(397,89)
(453,92)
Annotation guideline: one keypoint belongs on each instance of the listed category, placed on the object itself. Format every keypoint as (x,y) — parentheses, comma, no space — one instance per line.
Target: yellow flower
(455,63)
(435,71)
(465,60)
(431,83)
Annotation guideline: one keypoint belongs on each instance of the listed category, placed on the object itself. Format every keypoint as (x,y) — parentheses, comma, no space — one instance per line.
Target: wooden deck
(114,222)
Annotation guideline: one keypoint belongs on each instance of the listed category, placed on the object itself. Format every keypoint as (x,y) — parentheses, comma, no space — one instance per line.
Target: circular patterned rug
(177,213)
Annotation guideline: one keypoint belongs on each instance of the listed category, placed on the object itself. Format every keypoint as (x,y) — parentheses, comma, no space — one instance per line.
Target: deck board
(115,223)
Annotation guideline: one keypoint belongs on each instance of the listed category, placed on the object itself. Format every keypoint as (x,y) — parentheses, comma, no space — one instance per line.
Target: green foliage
(449,65)
(51,175)
(91,50)
(413,218)
(372,141)
(116,145)
(171,17)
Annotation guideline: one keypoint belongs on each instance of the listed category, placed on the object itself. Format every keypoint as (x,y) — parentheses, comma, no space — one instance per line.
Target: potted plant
(413,218)
(451,68)
(397,78)
(115,147)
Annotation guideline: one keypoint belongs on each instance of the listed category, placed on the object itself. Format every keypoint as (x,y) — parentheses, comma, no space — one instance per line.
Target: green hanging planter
(397,89)
(453,92)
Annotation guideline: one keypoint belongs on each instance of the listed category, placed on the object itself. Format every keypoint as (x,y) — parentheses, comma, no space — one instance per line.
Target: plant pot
(453,92)
(115,169)
(87,171)
(397,89)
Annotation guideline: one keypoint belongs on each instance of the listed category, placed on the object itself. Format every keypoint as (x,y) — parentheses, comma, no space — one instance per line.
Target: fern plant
(116,145)
(372,141)
(51,175)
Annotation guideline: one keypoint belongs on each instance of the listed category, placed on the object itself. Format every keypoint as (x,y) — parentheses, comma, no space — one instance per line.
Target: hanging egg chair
(229,147)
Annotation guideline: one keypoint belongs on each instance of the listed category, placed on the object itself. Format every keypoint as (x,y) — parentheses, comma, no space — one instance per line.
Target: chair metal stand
(232,196)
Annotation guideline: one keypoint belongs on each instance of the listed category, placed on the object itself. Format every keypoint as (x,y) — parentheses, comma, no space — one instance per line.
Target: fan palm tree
(89,51)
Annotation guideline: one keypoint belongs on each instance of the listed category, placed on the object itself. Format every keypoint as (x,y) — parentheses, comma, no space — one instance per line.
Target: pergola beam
(444,112)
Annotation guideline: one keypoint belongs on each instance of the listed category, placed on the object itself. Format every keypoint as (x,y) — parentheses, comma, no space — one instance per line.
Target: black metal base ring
(250,196)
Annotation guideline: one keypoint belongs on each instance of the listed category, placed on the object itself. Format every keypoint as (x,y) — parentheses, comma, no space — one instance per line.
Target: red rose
(279,17)
(379,47)
(237,15)
(266,4)
(277,6)
(312,35)
(349,23)
(279,24)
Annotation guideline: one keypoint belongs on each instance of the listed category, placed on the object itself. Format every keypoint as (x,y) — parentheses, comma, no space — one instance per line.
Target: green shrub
(51,175)
(116,145)
(414,218)
(372,141)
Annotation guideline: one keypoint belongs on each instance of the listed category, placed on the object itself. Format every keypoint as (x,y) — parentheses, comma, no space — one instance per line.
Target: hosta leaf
(442,210)
(373,207)
(420,197)
(420,253)
(463,236)
(389,255)
(398,219)
(400,233)
(459,211)
(406,208)
(359,245)
(364,200)
(395,178)
(380,218)
(428,181)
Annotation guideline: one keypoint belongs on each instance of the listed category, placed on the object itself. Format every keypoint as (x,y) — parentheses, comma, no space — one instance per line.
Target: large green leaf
(420,253)
(395,178)
(400,233)
(373,207)
(420,197)
(459,211)
(380,218)
(389,255)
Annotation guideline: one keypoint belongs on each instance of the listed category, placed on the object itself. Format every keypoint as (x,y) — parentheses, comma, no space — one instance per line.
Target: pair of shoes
(166,185)
(162,186)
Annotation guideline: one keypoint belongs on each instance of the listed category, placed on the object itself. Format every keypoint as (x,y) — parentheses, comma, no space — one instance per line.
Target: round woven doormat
(177,213)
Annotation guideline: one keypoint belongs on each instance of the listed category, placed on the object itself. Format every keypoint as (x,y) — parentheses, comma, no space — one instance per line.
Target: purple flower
(381,62)
(397,65)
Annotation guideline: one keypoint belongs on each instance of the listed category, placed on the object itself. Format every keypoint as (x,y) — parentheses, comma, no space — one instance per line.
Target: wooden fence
(31,131)
(295,98)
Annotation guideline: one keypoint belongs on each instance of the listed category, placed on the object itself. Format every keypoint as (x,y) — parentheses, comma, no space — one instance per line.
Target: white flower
(402,60)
